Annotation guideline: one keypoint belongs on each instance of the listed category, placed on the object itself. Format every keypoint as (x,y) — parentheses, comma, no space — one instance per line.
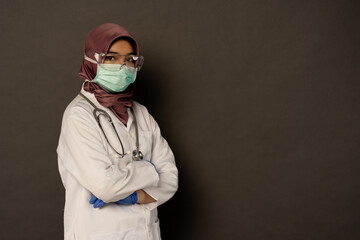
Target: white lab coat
(88,165)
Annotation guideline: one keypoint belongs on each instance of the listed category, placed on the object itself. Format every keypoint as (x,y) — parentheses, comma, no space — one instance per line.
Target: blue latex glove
(129,200)
(96,202)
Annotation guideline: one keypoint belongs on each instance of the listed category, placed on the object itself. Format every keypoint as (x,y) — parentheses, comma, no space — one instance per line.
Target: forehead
(121,46)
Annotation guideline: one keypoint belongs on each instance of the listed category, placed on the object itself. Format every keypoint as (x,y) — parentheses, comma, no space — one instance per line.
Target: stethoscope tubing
(136,154)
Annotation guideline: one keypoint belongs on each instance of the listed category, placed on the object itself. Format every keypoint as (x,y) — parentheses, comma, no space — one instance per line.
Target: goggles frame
(136,62)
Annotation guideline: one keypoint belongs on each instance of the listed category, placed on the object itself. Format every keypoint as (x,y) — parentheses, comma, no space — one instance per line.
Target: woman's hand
(96,202)
(143,197)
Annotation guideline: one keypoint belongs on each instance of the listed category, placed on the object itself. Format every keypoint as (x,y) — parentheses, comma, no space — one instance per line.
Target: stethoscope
(97,112)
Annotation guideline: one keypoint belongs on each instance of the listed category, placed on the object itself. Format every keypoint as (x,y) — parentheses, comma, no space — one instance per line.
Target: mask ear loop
(96,55)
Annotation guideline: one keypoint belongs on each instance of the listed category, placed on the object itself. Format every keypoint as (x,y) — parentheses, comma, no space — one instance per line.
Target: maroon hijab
(100,40)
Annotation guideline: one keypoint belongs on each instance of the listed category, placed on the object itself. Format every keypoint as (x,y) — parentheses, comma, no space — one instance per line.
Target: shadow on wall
(178,215)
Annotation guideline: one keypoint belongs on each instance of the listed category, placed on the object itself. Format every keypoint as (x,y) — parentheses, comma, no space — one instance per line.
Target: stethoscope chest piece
(137,155)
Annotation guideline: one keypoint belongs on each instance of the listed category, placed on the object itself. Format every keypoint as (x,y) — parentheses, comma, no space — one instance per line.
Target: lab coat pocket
(123,235)
(145,144)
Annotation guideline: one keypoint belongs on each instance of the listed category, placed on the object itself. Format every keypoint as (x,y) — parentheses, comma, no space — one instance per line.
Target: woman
(116,175)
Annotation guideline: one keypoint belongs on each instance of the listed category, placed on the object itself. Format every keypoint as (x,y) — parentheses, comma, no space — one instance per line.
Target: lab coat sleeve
(86,159)
(164,160)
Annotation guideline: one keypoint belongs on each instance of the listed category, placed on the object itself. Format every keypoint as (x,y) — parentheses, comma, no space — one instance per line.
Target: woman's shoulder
(138,107)
(78,107)
(143,115)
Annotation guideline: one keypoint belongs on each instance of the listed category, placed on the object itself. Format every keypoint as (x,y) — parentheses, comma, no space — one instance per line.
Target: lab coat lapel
(130,119)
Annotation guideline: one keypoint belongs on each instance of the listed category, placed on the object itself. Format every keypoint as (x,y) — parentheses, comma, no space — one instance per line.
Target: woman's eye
(109,58)
(130,59)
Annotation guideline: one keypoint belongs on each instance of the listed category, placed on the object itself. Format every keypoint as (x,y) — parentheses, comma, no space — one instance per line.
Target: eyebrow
(132,53)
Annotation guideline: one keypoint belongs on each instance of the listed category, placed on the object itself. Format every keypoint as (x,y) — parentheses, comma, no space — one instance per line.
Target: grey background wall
(258,99)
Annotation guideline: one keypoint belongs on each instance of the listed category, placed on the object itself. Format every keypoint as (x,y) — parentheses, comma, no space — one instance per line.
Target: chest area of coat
(120,140)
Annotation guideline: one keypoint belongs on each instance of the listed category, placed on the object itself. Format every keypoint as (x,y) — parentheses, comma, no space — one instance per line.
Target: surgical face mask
(114,77)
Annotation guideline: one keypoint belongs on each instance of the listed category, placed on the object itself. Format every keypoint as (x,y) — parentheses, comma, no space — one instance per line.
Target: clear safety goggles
(114,62)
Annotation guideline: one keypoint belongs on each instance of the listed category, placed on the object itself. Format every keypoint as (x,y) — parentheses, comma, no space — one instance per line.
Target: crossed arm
(110,182)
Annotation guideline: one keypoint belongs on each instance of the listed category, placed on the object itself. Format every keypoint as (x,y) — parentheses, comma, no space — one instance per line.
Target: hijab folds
(99,40)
